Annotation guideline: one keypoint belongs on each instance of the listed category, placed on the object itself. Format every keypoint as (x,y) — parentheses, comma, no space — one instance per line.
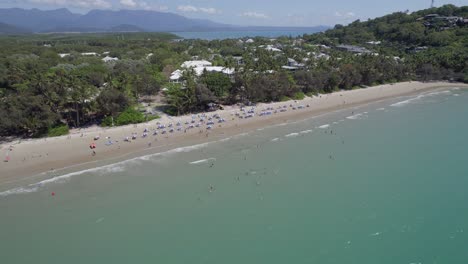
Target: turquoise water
(212,35)
(376,186)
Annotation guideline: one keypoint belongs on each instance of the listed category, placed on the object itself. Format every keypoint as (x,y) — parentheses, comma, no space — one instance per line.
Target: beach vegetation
(299,96)
(58,130)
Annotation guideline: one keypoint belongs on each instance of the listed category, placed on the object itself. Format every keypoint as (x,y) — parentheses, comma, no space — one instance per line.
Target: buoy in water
(53,193)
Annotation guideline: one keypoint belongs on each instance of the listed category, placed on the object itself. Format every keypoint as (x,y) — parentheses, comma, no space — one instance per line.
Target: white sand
(31,157)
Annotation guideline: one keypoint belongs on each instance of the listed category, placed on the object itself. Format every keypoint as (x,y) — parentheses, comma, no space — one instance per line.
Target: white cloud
(187,8)
(128,3)
(208,10)
(346,15)
(254,15)
(76,3)
(193,9)
(147,6)
(132,4)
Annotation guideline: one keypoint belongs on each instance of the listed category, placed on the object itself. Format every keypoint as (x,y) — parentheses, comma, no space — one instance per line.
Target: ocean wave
(292,135)
(437,93)
(381,109)
(225,139)
(106,169)
(275,139)
(202,161)
(306,131)
(405,102)
(456,95)
(20,190)
(324,126)
(188,148)
(357,116)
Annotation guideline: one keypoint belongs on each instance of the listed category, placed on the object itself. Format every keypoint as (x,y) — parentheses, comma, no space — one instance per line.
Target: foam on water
(306,131)
(106,169)
(292,135)
(275,139)
(19,190)
(411,100)
(357,116)
(324,126)
(202,161)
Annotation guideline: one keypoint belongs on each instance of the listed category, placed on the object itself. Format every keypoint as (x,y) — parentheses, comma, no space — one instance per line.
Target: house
(63,55)
(416,49)
(290,68)
(374,42)
(249,41)
(89,54)
(199,67)
(196,63)
(176,76)
(441,22)
(199,70)
(239,60)
(109,59)
(270,48)
(353,49)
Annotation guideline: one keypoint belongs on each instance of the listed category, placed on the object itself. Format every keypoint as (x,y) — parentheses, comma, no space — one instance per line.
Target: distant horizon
(254,13)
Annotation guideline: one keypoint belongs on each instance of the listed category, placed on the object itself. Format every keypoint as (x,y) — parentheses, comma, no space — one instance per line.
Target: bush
(312,94)
(152,117)
(58,130)
(299,96)
(284,98)
(129,116)
(107,121)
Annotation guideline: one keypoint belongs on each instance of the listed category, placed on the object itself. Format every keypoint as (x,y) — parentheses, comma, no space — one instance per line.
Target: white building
(195,64)
(89,54)
(198,67)
(109,59)
(199,70)
(272,49)
(176,76)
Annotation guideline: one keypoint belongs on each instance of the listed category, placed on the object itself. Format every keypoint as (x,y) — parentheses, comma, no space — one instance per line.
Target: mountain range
(62,20)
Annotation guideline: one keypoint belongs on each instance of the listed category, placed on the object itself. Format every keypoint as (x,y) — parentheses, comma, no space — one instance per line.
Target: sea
(381,183)
(220,35)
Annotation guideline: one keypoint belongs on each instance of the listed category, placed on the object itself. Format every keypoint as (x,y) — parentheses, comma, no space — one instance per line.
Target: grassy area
(129,116)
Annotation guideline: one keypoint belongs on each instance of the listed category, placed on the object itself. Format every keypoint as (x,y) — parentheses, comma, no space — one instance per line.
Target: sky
(248,12)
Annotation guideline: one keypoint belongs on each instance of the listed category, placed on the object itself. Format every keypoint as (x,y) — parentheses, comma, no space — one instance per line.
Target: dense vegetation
(49,84)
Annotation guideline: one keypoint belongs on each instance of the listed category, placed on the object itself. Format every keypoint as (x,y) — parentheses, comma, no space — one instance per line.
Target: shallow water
(384,183)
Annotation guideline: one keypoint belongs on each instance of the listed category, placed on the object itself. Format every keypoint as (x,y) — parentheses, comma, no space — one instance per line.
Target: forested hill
(432,42)
(430,27)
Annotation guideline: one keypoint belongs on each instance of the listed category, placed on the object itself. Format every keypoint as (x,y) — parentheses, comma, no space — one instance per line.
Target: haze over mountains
(62,20)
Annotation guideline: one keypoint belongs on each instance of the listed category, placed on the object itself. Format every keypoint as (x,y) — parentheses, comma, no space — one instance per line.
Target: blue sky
(249,12)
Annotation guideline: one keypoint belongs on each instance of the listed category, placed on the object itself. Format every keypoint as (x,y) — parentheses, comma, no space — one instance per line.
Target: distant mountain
(12,30)
(37,20)
(62,20)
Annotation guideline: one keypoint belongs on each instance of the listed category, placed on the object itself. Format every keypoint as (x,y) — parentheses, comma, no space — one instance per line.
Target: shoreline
(36,158)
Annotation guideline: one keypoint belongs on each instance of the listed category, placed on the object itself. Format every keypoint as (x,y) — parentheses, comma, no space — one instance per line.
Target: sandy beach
(28,158)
